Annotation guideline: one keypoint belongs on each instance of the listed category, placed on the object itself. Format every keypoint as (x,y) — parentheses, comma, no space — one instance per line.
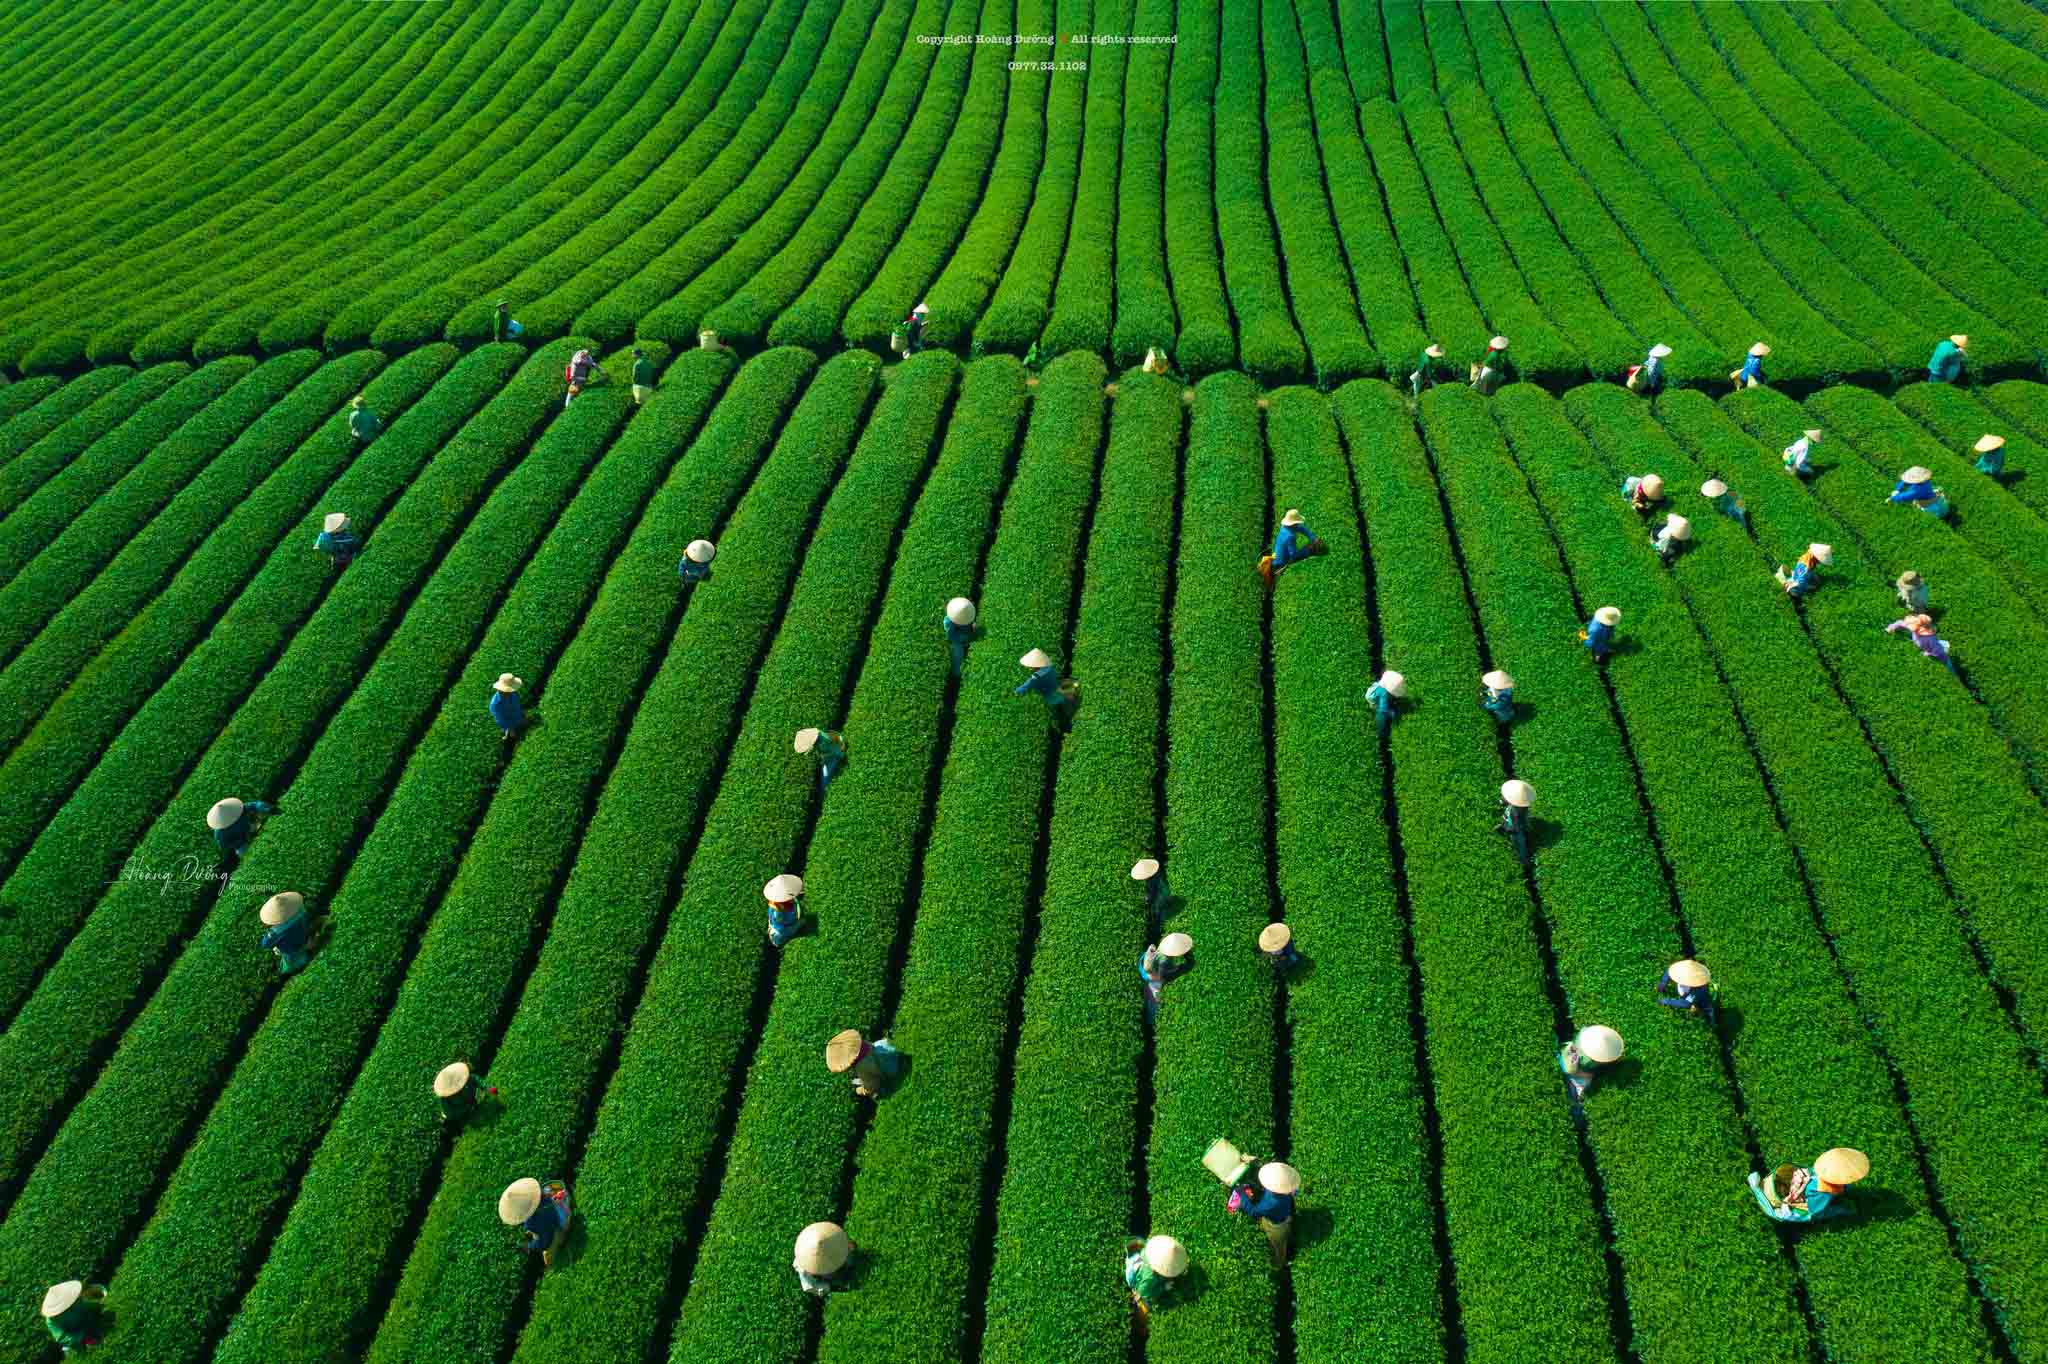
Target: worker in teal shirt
(1796,1193)
(1587,1057)
(1671,538)
(505,707)
(1293,542)
(1151,1270)
(286,930)
(695,566)
(785,897)
(235,822)
(1045,684)
(362,422)
(336,540)
(459,1091)
(1725,502)
(960,617)
(1497,695)
(1945,366)
(1147,872)
(1990,455)
(1515,799)
(71,1311)
(1390,688)
(830,746)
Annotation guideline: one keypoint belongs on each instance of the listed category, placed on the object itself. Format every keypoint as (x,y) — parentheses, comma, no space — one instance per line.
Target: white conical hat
(1600,1043)
(1167,1257)
(1498,343)
(336,521)
(1842,1165)
(1689,973)
(1822,553)
(1394,683)
(1279,1177)
(1652,485)
(449,1080)
(62,1297)
(1987,443)
(1659,351)
(520,1201)
(1433,351)
(806,740)
(280,907)
(1713,487)
(960,611)
(1812,433)
(1609,616)
(784,887)
(1293,517)
(224,813)
(357,401)
(1759,349)
(843,1050)
(507,682)
(1960,341)
(1917,474)
(922,307)
(1275,937)
(1176,945)
(822,1248)
(1677,527)
(1037,658)
(1518,793)
(1144,869)
(700,551)
(1498,679)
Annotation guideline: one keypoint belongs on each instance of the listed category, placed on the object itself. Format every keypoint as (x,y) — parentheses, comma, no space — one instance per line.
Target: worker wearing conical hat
(913,328)
(235,822)
(1046,683)
(1147,872)
(875,1065)
(822,1251)
(1648,377)
(1912,592)
(1292,543)
(785,896)
(1151,1269)
(1599,632)
(960,632)
(336,540)
(1643,492)
(1586,1057)
(1159,964)
(1945,366)
(1796,1193)
(1390,688)
(695,565)
(71,1310)
(1804,575)
(1725,502)
(1488,372)
(287,930)
(830,746)
(458,1091)
(1271,1201)
(1990,455)
(542,1209)
(1925,639)
(1796,461)
(1751,375)
(1686,985)
(362,422)
(1515,799)
(1276,943)
(643,377)
(1497,695)
(1155,361)
(1671,537)
(1424,375)
(505,707)
(1916,485)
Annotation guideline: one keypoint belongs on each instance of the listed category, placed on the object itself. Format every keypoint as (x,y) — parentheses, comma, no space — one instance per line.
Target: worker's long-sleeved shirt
(1255,1200)
(338,544)
(1140,1278)
(236,836)
(831,749)
(1795,456)
(1599,637)
(1685,996)
(1666,545)
(1903,491)
(1728,506)
(1752,368)
(506,710)
(1803,580)
(464,1100)
(1156,968)
(548,1221)
(1915,597)
(1291,543)
(363,423)
(643,372)
(1992,462)
(1045,684)
(1500,701)
(1945,366)
(288,937)
(1382,704)
(70,1327)
(1651,374)
(783,918)
(1926,641)
(1631,488)
(690,571)
(958,634)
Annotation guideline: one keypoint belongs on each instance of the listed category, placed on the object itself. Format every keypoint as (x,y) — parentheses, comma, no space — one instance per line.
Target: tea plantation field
(227,224)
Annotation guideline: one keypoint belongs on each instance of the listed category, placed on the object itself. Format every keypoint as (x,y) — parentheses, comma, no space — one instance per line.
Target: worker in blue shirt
(1599,632)
(960,617)
(1916,488)
(1751,375)
(542,1210)
(1725,502)
(1276,943)
(1804,575)
(1643,493)
(235,822)
(1587,1057)
(830,746)
(1515,799)
(1159,964)
(1945,366)
(785,896)
(1147,872)
(1383,694)
(1648,377)
(336,540)
(286,930)
(1796,462)
(1990,455)
(1669,540)
(1796,1193)
(505,707)
(362,422)
(1684,985)
(695,565)
(1271,1200)
(1497,695)
(1046,684)
(1293,542)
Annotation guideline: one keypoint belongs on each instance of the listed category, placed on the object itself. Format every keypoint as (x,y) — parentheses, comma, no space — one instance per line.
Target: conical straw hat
(1678,527)
(1275,937)
(1689,973)
(1759,349)
(1653,485)
(1812,433)
(1518,793)
(806,740)
(700,551)
(450,1079)
(1600,1043)
(62,1297)
(1144,869)
(1610,616)
(1987,443)
(1960,342)
(922,307)
(1167,1257)
(1824,554)
(520,1201)
(1279,1177)
(783,887)
(842,1051)
(1842,1165)
(1433,351)
(507,682)
(1498,679)
(336,521)
(1659,351)
(1917,474)
(822,1248)
(1395,684)
(224,813)
(1037,658)
(1713,487)
(280,907)
(1176,945)
(960,611)
(1498,343)
(1293,517)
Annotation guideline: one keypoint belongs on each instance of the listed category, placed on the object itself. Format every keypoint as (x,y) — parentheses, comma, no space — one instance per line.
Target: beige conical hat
(784,887)
(1822,553)
(922,307)
(1167,1257)
(1498,679)
(356,401)
(1279,1177)
(700,551)
(1842,1165)
(1689,973)
(1653,485)
(1144,869)
(1610,616)
(507,682)
(1961,342)
(280,907)
(1812,433)
(1759,349)
(1987,443)
(1659,351)
(960,611)
(449,1080)
(1713,487)
(224,813)
(1678,527)
(822,1248)
(1037,658)
(1433,351)
(806,740)
(1176,945)
(1275,937)
(336,521)
(842,1051)
(520,1201)
(1498,343)
(1395,684)
(1600,1043)
(1293,517)
(1518,793)
(1916,474)
(61,1298)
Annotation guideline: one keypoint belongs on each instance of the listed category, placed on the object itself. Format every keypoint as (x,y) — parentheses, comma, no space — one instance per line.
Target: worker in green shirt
(72,1312)
(362,422)
(504,327)
(460,1091)
(1151,1269)
(643,376)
